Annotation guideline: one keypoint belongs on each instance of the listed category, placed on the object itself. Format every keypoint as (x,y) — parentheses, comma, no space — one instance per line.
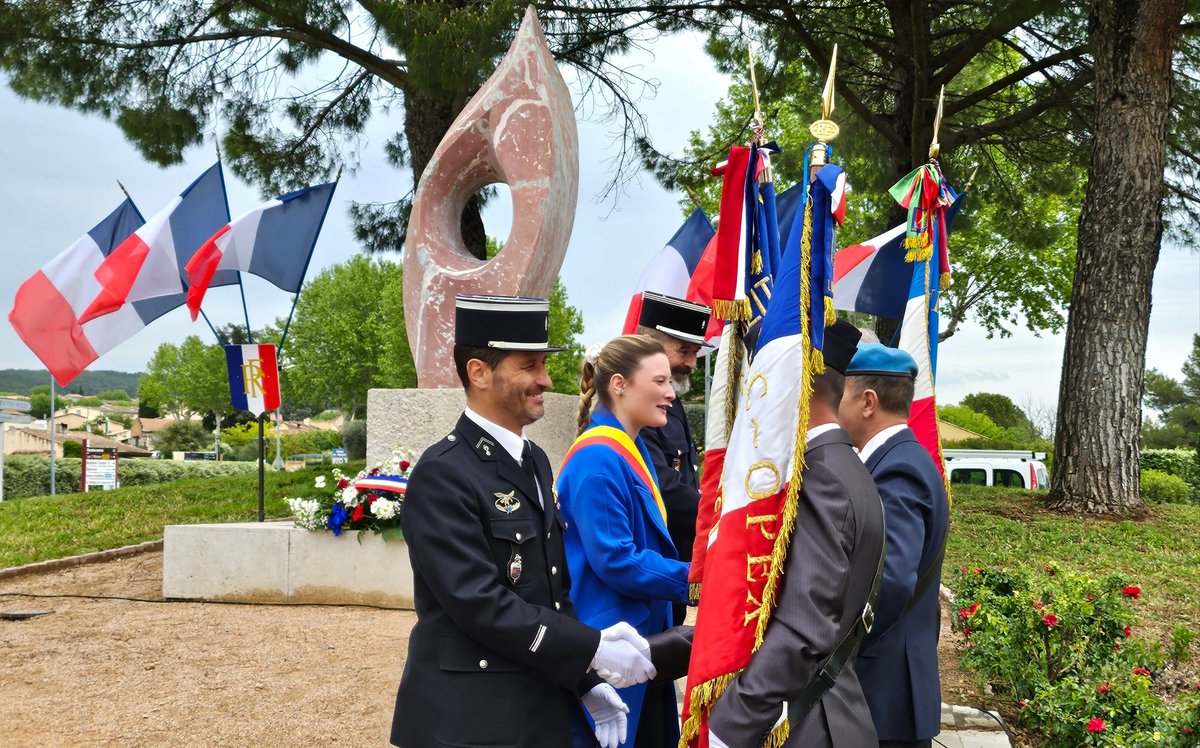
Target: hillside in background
(18,381)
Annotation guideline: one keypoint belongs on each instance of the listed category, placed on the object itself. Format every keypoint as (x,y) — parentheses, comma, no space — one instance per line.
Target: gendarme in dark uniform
(680,325)
(497,657)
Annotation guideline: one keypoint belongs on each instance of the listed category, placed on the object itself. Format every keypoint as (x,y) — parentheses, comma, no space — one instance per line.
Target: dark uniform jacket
(674,456)
(898,660)
(830,565)
(497,657)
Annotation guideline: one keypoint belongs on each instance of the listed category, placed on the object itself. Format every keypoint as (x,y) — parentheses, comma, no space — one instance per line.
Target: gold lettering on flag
(763,493)
(761,520)
(752,561)
(750,387)
(755,608)
(252,376)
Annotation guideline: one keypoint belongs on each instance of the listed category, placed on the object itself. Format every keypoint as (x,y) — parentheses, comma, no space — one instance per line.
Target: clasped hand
(623,657)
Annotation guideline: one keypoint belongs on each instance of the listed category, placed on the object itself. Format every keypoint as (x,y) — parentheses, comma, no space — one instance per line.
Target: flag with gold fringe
(760,485)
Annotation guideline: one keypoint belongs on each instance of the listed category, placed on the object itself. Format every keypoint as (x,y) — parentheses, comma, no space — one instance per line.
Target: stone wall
(418,418)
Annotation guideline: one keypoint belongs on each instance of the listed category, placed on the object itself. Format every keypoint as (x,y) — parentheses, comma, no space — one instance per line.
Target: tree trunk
(426,120)
(1096,465)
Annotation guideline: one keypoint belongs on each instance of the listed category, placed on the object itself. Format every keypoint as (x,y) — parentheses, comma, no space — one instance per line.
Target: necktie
(527,462)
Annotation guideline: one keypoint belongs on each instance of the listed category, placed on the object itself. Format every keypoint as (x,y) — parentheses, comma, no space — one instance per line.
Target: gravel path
(118,672)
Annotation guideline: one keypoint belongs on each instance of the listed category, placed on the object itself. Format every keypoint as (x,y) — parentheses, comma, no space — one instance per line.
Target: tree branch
(954,138)
(1016,76)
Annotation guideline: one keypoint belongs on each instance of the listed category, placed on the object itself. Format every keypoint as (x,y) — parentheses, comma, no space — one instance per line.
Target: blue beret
(874,359)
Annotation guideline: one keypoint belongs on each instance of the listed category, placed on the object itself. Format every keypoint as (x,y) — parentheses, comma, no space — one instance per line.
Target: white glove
(622,630)
(620,664)
(608,712)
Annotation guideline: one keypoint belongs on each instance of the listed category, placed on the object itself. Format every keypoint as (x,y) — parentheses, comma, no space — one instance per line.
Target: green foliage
(961,415)
(72,449)
(243,438)
(187,378)
(348,335)
(115,396)
(1177,403)
(39,401)
(44,528)
(1163,488)
(29,475)
(1002,410)
(1062,645)
(182,436)
(1180,650)
(354,439)
(88,402)
(98,382)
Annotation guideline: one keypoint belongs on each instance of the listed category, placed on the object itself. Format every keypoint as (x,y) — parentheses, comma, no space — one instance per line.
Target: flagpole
(249,332)
(50,428)
(286,325)
(213,329)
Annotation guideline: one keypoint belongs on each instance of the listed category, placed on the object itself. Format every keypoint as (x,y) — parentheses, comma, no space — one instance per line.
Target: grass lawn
(41,528)
(1159,549)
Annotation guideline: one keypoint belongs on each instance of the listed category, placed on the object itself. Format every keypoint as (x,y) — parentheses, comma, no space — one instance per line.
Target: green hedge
(1163,488)
(1180,462)
(29,475)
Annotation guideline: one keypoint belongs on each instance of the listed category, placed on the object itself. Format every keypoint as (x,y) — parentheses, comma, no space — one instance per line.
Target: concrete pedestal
(273,562)
(415,419)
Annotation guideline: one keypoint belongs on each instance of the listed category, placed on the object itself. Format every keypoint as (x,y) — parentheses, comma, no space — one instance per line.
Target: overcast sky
(60,178)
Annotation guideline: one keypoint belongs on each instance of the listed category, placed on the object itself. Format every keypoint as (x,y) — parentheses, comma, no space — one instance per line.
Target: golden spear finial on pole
(754,88)
(971,181)
(935,148)
(824,130)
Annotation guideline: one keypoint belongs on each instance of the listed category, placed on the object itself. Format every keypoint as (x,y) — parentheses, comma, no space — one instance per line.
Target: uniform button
(450,438)
(517,536)
(547,536)
(483,664)
(558,606)
(553,569)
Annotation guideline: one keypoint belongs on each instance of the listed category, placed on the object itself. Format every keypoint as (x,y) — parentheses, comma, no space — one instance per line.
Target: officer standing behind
(680,326)
(497,656)
(898,661)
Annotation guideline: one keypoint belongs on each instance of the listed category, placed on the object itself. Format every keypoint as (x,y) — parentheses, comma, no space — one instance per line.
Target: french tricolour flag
(670,271)
(273,241)
(873,277)
(48,306)
(253,377)
(149,263)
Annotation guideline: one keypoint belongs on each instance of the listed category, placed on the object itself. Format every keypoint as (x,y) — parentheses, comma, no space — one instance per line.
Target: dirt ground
(117,672)
(126,673)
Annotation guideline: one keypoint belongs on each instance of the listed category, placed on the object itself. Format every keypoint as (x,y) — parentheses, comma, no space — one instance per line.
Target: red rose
(1022,703)
(967,633)
(1104,687)
(1050,620)
(974,607)
(343,484)
(978,570)
(1090,598)
(357,514)
(1128,632)
(1095,724)
(374,471)
(1141,671)
(1132,591)
(1037,604)
(404,465)
(963,613)
(964,570)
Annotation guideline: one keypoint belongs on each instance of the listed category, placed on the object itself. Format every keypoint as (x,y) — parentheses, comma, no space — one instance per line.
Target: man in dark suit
(680,326)
(497,656)
(898,660)
(823,596)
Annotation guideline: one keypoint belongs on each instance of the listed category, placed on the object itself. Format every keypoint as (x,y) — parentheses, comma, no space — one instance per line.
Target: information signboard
(99,468)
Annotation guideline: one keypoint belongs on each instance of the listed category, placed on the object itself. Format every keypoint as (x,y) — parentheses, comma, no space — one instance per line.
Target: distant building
(143,431)
(35,441)
(952,433)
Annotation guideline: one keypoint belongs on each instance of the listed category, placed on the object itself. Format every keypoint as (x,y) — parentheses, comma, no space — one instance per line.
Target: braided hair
(622,355)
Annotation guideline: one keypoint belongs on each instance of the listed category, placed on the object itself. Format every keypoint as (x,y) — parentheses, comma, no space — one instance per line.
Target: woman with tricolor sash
(623,565)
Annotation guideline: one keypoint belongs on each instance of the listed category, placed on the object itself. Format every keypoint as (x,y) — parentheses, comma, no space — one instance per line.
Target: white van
(1011,468)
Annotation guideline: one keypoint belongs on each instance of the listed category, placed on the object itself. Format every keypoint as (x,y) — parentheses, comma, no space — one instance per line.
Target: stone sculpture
(518,129)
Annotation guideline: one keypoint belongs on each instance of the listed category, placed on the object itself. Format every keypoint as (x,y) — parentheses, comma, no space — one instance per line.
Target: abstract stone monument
(519,129)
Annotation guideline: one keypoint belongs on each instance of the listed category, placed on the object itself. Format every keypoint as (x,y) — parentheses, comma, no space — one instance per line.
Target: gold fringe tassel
(733,379)
(756,262)
(830,312)
(779,735)
(945,281)
(734,310)
(693,592)
(700,699)
(816,359)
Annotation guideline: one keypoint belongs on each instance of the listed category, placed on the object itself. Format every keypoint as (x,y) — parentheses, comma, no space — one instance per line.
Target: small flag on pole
(253,377)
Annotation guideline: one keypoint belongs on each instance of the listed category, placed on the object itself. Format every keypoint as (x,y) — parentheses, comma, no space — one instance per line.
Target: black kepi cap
(678,318)
(841,343)
(507,323)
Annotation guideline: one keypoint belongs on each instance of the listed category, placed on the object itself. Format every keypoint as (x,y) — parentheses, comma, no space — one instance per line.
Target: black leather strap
(922,584)
(846,648)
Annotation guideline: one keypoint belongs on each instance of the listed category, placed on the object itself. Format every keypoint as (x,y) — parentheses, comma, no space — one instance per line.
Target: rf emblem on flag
(253,377)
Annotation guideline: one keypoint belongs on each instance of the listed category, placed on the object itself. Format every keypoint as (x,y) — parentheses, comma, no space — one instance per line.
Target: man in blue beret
(897,662)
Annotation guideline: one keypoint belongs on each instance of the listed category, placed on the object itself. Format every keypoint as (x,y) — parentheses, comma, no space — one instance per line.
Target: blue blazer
(623,565)
(897,662)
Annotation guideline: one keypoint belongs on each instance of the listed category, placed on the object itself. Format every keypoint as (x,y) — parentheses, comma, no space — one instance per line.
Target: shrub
(1181,462)
(183,436)
(72,449)
(354,439)
(29,475)
(1163,488)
